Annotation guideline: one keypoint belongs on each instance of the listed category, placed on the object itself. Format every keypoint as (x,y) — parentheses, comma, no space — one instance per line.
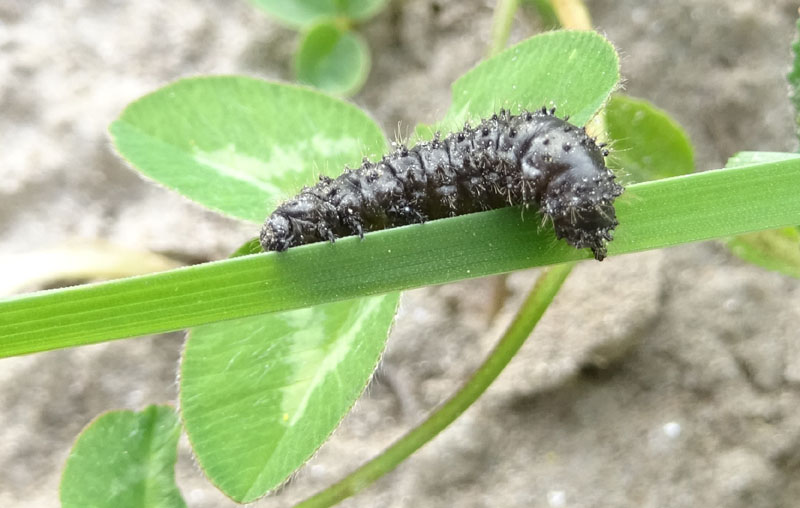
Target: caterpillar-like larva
(533,158)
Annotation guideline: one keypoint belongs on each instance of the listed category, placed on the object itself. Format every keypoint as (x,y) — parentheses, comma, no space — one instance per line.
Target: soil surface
(663,379)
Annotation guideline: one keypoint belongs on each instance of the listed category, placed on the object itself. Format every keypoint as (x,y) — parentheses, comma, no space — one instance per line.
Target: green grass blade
(655,214)
(778,249)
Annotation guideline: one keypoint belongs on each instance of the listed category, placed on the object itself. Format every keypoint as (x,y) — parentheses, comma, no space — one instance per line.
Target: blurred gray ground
(663,379)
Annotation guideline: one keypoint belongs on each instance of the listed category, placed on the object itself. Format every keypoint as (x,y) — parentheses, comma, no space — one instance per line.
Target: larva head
(577,189)
(580,201)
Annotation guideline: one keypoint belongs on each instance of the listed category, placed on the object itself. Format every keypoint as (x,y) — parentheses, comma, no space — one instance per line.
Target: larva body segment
(533,159)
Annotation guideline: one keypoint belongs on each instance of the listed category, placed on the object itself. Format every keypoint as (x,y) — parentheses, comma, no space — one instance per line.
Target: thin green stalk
(520,329)
(501,25)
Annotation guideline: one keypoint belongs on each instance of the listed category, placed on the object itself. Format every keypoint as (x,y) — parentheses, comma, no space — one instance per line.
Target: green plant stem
(501,25)
(520,329)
